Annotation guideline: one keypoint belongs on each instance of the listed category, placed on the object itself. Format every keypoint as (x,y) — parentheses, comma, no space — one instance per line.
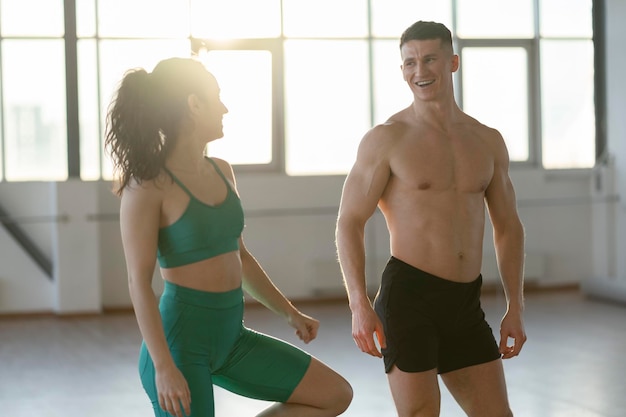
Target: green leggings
(210,345)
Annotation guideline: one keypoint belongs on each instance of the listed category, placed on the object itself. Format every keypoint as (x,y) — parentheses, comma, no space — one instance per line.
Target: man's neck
(442,113)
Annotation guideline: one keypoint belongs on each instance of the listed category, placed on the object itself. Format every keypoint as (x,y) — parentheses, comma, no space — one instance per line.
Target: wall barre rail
(61,218)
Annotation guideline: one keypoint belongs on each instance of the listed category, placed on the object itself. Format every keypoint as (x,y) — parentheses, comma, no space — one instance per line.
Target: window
(34,117)
(323,73)
(530,69)
(326,104)
(235,19)
(494,19)
(567,84)
(495,91)
(33,130)
(567,106)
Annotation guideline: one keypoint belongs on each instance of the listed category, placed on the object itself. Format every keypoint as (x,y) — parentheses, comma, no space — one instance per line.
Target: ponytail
(133,137)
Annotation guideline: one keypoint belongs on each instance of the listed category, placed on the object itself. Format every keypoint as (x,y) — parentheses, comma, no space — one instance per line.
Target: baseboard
(606,289)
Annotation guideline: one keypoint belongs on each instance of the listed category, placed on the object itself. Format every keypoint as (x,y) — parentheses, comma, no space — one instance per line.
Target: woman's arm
(257,283)
(139,220)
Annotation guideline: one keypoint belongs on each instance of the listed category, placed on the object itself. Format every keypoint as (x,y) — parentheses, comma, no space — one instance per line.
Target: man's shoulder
(395,127)
(487,135)
(385,136)
(390,128)
(479,127)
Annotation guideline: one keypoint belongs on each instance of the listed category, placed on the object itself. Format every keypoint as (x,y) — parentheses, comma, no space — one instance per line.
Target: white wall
(609,213)
(23,285)
(56,216)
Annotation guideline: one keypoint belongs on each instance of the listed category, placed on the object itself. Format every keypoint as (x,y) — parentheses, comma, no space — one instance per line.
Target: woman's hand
(306,327)
(173,391)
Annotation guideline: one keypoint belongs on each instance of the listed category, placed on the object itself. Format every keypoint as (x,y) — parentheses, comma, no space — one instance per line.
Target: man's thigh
(480,390)
(415,394)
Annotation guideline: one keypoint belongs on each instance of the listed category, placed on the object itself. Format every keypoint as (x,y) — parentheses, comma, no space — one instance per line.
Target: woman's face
(212,113)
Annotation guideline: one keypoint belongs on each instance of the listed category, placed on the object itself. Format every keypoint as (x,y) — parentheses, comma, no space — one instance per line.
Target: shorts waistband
(204,298)
(393,261)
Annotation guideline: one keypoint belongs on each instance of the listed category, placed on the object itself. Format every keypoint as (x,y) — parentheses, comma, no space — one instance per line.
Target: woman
(180,207)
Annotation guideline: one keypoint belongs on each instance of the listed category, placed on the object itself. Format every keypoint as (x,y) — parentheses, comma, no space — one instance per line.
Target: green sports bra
(203,231)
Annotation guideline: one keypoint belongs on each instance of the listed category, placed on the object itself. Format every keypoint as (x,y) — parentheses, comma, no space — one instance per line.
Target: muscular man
(432,169)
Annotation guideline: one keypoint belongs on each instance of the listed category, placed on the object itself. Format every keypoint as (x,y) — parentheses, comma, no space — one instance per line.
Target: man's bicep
(368,178)
(361,192)
(500,195)
(501,201)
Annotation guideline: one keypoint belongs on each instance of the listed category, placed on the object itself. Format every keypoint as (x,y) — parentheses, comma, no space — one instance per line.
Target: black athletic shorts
(431,322)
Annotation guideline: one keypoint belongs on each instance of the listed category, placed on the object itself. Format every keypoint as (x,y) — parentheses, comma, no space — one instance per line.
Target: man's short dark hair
(422,30)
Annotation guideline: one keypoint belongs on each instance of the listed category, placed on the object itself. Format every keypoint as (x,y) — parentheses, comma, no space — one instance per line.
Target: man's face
(427,67)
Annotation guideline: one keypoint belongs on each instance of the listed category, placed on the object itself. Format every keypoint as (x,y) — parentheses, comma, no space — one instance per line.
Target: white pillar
(76,248)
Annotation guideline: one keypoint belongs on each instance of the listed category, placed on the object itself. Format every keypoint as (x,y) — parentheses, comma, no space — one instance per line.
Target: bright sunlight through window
(303,81)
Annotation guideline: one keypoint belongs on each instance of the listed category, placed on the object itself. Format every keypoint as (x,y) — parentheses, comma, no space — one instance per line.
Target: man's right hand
(365,323)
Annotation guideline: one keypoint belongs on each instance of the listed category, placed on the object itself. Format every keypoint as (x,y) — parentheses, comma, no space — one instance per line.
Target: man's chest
(464,166)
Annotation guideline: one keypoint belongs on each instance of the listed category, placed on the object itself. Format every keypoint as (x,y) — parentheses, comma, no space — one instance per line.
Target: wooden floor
(574,364)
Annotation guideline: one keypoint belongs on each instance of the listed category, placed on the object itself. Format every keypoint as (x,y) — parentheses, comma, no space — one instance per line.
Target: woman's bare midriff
(218,274)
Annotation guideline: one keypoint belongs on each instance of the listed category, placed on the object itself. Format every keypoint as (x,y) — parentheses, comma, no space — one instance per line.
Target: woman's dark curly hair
(146,114)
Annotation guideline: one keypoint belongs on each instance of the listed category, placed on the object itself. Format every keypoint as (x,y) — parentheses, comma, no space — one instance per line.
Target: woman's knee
(323,388)
(344,394)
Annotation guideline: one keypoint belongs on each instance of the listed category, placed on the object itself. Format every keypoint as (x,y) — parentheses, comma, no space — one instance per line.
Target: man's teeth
(423,83)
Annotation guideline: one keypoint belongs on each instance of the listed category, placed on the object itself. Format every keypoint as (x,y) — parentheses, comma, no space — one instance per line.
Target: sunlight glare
(248,96)
(235,19)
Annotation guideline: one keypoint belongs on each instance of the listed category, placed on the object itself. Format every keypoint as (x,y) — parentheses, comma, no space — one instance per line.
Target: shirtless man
(432,169)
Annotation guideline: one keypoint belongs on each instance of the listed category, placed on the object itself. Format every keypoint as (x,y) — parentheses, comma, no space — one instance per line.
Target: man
(432,169)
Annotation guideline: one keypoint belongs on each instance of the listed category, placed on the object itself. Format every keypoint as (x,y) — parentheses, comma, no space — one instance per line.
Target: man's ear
(455,63)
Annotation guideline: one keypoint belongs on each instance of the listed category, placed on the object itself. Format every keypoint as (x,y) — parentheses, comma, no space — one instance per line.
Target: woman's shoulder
(223,166)
(147,189)
(222,163)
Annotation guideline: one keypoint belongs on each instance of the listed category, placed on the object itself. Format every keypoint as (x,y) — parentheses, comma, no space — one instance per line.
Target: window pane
(18,19)
(327,105)
(495,19)
(391,17)
(325,18)
(143,18)
(118,56)
(218,19)
(578,21)
(90,135)
(85,18)
(248,123)
(495,91)
(567,103)
(391,93)
(34,110)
